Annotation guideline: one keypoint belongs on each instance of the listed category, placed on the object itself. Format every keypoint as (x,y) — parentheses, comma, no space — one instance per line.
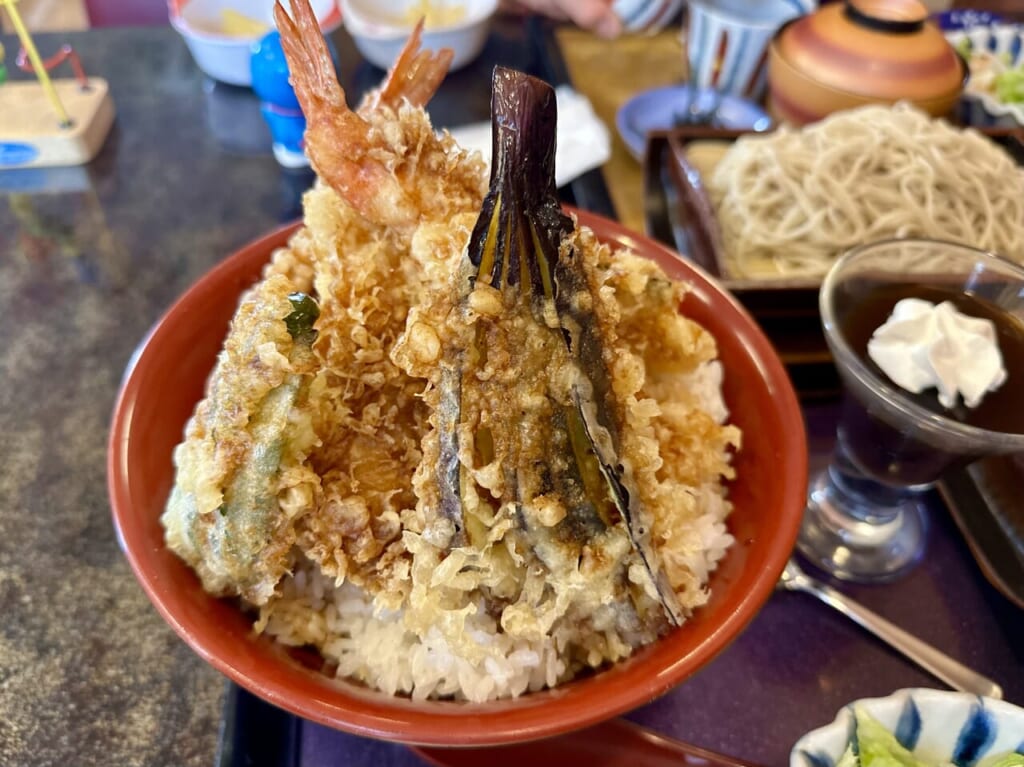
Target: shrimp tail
(415,76)
(337,140)
(312,71)
(368,167)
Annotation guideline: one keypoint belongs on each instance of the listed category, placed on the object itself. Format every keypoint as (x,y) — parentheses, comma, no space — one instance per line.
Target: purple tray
(796,664)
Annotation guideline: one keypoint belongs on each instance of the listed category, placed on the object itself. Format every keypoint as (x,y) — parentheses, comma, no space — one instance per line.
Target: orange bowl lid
(878,48)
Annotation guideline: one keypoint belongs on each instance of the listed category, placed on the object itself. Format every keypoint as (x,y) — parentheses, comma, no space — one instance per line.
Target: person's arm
(594,15)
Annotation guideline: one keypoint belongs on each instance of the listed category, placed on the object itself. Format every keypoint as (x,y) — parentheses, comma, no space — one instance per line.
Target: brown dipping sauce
(894,456)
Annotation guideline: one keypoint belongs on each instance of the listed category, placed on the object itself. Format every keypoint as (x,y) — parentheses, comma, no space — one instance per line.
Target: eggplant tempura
(452,442)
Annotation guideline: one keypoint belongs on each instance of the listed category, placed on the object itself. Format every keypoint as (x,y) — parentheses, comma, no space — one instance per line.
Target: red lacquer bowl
(166,379)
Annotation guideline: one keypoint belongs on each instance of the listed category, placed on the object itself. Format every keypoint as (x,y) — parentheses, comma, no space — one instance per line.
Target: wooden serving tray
(985,501)
(678,212)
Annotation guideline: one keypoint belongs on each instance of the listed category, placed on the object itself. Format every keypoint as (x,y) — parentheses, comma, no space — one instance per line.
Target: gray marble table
(90,257)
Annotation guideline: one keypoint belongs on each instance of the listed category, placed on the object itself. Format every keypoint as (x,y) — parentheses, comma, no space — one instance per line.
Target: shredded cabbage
(874,746)
(1010,85)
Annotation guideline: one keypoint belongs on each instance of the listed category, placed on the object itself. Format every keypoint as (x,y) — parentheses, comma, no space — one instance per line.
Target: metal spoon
(940,665)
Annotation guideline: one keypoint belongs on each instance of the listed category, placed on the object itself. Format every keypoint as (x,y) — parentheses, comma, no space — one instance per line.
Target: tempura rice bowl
(166,378)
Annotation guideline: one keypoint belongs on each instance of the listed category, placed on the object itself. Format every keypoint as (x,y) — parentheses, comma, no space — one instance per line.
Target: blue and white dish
(939,726)
(1006,40)
(665,108)
(964,18)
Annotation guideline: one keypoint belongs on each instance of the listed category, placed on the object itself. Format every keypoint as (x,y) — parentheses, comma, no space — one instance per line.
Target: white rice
(371,644)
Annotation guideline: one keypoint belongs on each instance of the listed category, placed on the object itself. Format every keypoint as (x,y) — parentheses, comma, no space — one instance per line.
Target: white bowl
(381,27)
(940,726)
(226,57)
(1001,39)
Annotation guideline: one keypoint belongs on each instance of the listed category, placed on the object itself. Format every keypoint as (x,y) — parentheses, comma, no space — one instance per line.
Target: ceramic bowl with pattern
(939,726)
(726,41)
(961,18)
(991,48)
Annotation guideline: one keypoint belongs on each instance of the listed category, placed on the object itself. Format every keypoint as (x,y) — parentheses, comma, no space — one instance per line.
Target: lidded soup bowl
(860,52)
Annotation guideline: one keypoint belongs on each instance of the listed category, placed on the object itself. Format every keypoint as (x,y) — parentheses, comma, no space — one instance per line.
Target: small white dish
(224,56)
(1002,40)
(381,27)
(939,726)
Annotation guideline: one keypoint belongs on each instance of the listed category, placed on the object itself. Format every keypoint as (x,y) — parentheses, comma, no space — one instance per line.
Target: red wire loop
(66,53)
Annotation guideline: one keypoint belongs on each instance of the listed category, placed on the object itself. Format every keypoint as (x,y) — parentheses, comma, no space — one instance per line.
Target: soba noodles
(789,202)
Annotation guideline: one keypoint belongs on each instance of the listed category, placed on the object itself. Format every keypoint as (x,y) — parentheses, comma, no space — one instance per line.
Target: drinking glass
(865,519)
